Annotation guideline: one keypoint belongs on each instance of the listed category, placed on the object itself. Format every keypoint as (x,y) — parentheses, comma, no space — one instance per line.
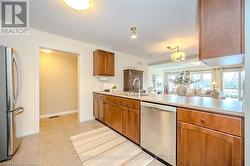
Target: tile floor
(52,146)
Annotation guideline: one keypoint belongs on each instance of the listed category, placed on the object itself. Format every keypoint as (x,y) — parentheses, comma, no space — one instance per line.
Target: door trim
(37,79)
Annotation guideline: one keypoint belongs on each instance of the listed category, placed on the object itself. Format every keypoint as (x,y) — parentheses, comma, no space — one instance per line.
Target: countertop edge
(188,106)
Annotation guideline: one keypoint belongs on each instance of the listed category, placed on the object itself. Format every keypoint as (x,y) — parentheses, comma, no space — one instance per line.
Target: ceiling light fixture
(46,51)
(178,55)
(78,4)
(133,35)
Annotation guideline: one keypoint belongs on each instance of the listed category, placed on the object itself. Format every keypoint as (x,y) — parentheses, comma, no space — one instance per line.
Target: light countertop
(227,106)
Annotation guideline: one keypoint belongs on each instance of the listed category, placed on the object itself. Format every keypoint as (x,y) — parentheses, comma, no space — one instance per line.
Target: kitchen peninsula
(200,122)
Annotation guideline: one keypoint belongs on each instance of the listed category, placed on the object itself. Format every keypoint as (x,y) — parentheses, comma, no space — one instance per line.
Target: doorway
(58,85)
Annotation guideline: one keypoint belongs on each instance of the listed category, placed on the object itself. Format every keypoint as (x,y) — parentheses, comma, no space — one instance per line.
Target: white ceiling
(107,23)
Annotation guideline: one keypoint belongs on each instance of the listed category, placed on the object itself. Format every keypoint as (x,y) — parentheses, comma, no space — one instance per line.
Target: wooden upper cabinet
(221,31)
(103,63)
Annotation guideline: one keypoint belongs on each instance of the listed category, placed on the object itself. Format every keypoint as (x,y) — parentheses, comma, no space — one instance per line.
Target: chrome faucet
(139,83)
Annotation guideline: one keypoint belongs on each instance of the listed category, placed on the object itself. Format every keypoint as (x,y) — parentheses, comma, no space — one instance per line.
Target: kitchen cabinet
(129,76)
(99,107)
(201,140)
(221,27)
(106,113)
(116,117)
(122,115)
(103,63)
(96,109)
(131,123)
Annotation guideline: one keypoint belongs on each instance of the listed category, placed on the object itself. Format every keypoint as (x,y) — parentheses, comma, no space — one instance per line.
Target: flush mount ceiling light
(46,50)
(178,55)
(133,34)
(78,4)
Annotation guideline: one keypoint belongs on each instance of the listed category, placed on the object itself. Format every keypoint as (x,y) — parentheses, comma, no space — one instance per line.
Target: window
(233,83)
(171,86)
(157,83)
(203,78)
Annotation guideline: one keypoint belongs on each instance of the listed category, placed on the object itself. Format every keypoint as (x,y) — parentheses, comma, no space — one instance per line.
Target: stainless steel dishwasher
(158,131)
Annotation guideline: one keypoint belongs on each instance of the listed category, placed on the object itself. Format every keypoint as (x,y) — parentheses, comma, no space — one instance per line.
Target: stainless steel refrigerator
(10,108)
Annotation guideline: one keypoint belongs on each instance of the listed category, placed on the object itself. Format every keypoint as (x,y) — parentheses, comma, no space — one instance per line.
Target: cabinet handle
(203,120)
(179,125)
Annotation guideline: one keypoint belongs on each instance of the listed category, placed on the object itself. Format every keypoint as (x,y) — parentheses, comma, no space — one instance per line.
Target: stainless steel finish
(13,108)
(3,106)
(159,107)
(158,130)
(139,83)
(8,54)
(18,83)
(13,79)
(14,119)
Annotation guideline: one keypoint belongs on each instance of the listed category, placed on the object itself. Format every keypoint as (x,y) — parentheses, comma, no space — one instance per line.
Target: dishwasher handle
(158,107)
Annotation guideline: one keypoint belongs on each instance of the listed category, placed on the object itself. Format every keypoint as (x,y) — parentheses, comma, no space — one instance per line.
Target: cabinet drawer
(100,97)
(226,124)
(134,104)
(114,100)
(95,96)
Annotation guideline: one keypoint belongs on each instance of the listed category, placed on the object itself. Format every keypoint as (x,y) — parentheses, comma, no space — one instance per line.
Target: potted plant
(182,81)
(114,87)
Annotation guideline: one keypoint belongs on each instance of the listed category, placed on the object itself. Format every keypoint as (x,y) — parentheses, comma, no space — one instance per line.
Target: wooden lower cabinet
(106,113)
(115,117)
(96,109)
(198,146)
(131,123)
(123,115)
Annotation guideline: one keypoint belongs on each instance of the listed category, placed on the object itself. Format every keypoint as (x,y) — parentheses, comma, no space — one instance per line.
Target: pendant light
(178,55)
(133,33)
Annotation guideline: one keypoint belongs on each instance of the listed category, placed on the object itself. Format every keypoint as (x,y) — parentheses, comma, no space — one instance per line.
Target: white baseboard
(58,114)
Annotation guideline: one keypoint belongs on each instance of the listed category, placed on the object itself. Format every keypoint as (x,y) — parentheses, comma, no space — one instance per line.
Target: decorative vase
(181,90)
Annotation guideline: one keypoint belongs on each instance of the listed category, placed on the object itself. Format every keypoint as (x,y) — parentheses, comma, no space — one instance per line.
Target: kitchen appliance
(10,109)
(158,131)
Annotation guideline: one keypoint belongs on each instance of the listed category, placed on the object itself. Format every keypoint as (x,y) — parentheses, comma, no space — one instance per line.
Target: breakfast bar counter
(226,106)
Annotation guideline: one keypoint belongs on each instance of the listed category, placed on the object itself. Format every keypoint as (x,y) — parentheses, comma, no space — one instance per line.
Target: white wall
(247,82)
(27,48)
(58,83)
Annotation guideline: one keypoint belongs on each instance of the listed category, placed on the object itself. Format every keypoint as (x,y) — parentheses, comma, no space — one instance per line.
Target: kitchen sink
(134,94)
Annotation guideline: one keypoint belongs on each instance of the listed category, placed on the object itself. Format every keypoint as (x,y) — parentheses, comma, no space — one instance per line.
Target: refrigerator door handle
(17,89)
(20,110)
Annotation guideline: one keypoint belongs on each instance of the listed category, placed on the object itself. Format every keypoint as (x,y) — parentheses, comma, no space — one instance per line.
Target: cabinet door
(116,117)
(221,28)
(99,63)
(198,146)
(96,109)
(109,64)
(101,110)
(106,114)
(103,63)
(131,124)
